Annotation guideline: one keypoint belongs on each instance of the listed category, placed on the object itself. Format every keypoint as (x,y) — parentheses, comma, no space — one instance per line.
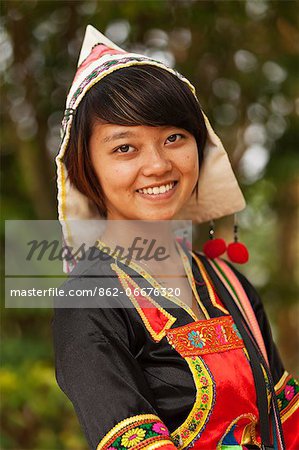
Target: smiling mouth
(158,190)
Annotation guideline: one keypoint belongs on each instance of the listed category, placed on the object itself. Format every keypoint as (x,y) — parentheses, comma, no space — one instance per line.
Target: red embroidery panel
(205,336)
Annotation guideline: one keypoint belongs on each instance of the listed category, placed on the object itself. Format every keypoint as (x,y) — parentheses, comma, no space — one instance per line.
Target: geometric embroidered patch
(205,336)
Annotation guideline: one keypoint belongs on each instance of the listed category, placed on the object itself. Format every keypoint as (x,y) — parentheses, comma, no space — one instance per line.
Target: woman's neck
(148,241)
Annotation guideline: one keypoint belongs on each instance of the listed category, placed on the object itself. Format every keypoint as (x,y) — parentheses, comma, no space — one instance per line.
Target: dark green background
(243,59)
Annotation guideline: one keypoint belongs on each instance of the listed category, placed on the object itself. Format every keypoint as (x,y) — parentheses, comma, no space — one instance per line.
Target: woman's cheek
(124,171)
(189,163)
(120,176)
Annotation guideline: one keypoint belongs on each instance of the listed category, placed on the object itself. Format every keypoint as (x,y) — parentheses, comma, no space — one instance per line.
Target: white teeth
(157,189)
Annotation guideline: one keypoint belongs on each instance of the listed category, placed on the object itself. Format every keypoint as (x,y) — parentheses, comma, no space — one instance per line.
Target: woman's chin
(158,215)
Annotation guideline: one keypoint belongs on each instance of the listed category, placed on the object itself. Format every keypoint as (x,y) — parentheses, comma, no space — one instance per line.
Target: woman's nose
(156,162)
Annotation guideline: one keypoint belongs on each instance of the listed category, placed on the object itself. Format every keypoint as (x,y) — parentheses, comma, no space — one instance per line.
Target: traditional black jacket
(143,372)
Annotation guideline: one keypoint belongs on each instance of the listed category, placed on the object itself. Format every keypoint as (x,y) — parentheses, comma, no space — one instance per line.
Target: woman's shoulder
(227,271)
(88,275)
(91,304)
(223,268)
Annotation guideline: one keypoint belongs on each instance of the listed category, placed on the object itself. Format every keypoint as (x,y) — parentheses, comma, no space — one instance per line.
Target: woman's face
(146,173)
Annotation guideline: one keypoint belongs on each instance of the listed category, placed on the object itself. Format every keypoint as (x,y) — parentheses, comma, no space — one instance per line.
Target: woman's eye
(174,137)
(124,148)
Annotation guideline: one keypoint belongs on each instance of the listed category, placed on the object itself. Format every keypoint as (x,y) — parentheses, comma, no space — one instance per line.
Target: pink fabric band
(240,296)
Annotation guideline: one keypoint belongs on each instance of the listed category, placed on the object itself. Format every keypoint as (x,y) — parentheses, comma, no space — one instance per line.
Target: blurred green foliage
(242,56)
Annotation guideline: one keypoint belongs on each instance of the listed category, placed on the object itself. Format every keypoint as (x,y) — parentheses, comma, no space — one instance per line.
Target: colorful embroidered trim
(212,293)
(205,336)
(156,320)
(287,393)
(115,62)
(202,409)
(137,432)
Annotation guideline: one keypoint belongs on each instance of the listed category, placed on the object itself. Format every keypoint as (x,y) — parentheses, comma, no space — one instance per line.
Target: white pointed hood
(218,191)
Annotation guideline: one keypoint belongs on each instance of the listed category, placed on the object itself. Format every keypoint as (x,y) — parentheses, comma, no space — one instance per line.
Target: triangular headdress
(218,191)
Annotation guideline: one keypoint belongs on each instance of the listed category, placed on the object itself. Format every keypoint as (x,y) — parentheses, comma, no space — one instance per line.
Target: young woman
(173,350)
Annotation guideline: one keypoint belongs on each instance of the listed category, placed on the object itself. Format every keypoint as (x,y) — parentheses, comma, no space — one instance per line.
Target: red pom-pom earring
(236,251)
(214,247)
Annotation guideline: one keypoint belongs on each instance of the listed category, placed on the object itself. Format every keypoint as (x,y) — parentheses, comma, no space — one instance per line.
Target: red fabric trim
(156,318)
(218,301)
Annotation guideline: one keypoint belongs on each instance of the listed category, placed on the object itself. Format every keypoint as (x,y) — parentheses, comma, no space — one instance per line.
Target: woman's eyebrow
(118,135)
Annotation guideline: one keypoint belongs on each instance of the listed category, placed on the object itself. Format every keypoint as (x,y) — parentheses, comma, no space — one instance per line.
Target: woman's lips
(159,196)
